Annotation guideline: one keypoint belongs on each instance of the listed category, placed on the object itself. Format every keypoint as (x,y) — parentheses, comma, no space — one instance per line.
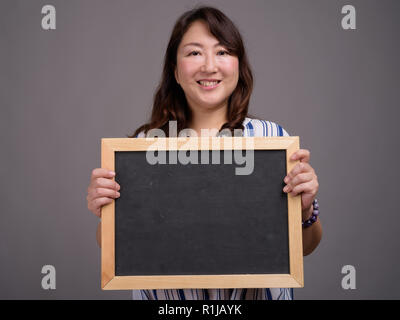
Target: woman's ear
(176,76)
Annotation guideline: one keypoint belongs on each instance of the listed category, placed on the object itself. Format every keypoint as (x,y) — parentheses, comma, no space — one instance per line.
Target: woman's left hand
(302,180)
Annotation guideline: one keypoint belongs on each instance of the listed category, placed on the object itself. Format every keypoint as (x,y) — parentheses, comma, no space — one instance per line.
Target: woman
(206,84)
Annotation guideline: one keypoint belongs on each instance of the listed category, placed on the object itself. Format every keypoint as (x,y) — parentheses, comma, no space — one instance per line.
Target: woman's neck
(208,119)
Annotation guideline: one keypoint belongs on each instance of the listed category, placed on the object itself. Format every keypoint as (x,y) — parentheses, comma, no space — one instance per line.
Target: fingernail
(118,187)
(286,179)
(112,173)
(118,194)
(285,189)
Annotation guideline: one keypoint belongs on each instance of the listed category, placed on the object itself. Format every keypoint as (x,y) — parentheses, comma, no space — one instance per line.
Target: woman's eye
(194,53)
(223,52)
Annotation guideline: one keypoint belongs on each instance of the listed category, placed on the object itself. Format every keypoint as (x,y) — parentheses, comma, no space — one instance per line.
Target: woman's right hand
(102,190)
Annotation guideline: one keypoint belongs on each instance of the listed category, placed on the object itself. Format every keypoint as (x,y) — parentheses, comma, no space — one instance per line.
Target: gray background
(61,91)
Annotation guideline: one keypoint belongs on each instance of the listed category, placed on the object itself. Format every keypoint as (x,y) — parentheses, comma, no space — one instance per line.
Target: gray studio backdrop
(94,76)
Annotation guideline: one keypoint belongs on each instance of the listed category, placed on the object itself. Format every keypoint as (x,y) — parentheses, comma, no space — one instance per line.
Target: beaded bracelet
(314,215)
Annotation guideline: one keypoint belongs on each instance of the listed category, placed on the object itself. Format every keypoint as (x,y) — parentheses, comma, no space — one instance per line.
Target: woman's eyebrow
(196,44)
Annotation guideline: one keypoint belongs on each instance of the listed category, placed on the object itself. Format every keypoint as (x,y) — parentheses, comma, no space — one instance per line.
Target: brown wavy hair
(169,100)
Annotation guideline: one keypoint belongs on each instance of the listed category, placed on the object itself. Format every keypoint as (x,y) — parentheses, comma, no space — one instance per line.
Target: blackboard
(191,225)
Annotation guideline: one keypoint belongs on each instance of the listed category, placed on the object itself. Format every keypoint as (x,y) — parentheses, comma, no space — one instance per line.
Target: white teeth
(208,83)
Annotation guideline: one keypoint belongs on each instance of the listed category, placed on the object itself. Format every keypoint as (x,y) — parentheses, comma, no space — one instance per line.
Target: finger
(96,211)
(105,183)
(95,206)
(102,173)
(103,192)
(302,154)
(298,168)
(308,187)
(301,178)
(99,202)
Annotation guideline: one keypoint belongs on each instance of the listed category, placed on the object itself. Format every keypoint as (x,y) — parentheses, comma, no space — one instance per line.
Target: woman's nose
(209,65)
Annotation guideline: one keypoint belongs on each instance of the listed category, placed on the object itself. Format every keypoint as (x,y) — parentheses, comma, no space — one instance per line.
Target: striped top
(252,128)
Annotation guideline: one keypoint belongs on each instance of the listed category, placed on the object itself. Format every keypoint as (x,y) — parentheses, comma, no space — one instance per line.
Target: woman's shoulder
(141,134)
(263,128)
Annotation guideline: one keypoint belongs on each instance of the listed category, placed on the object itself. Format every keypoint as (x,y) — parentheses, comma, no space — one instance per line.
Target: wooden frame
(109,281)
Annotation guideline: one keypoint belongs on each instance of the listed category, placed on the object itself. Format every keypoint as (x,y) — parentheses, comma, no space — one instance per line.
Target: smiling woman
(206,71)
(206,84)
(206,81)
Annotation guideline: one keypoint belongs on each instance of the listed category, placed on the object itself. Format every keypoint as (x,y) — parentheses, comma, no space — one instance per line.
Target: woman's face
(206,72)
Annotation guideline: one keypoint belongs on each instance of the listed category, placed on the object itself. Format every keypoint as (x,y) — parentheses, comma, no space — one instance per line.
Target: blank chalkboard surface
(200,218)
(201,225)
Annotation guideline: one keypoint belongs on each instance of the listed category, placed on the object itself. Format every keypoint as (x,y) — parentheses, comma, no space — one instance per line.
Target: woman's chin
(209,103)
(212,106)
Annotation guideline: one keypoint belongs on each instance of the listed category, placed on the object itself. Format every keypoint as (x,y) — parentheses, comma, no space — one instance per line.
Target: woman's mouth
(208,84)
